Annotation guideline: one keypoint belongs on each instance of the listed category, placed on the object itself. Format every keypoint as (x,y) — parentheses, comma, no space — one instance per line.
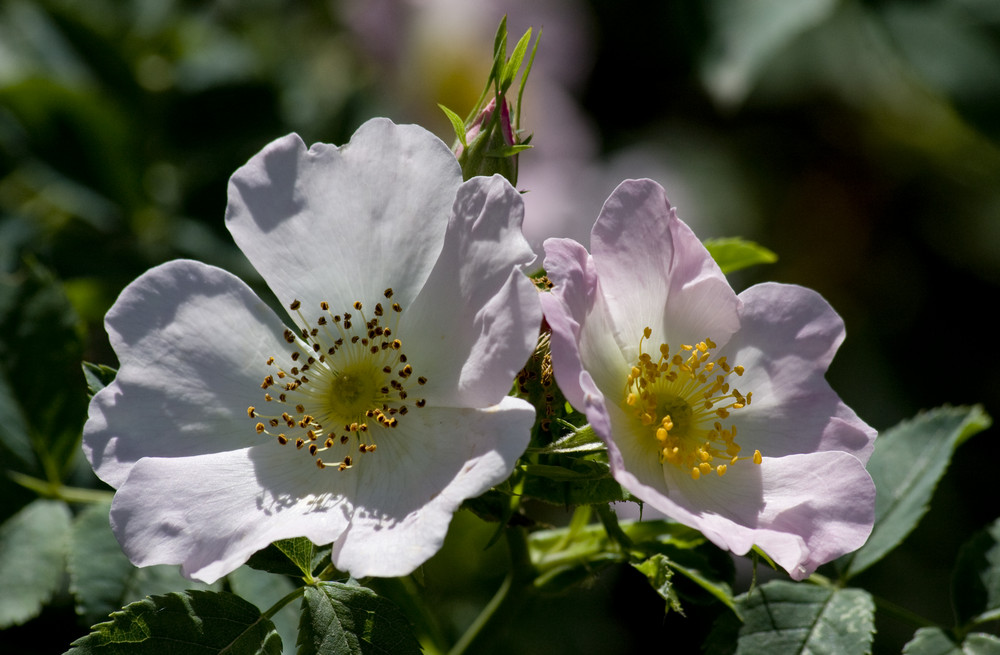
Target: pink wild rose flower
(713,405)
(367,414)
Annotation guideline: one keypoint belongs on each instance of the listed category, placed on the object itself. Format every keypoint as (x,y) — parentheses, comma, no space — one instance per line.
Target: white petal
(475,323)
(192,341)
(209,513)
(343,224)
(410,488)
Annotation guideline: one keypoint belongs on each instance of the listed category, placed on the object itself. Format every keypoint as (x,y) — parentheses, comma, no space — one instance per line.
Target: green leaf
(787,617)
(32,551)
(908,461)
(456,124)
(935,641)
(182,623)
(102,578)
(976,580)
(733,253)
(346,619)
(295,557)
(42,395)
(97,376)
(659,573)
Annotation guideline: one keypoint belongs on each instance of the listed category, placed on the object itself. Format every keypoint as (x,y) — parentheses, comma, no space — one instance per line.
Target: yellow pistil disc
(345,384)
(682,398)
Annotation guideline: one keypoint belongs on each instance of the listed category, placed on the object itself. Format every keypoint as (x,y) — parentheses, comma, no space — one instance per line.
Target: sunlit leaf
(734,253)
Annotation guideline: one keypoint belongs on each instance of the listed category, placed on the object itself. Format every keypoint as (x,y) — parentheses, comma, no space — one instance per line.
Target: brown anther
(295,305)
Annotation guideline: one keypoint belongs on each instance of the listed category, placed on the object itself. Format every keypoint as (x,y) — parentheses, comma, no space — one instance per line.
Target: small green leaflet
(733,253)
(976,580)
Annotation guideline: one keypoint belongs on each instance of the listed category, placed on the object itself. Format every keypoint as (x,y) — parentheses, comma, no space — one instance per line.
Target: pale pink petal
(787,339)
(655,272)
(475,322)
(581,329)
(343,224)
(192,341)
(211,512)
(406,498)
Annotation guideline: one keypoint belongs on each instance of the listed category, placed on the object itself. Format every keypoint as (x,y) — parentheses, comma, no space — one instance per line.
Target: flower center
(346,384)
(682,398)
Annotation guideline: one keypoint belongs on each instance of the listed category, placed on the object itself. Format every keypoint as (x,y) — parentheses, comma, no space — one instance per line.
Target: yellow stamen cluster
(682,398)
(347,379)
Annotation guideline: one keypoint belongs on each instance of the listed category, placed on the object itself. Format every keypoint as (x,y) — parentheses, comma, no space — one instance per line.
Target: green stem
(505,602)
(60,491)
(902,613)
(289,597)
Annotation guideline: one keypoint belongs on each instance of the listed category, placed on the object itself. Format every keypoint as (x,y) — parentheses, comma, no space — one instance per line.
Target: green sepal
(456,124)
(908,462)
(348,619)
(183,622)
(734,253)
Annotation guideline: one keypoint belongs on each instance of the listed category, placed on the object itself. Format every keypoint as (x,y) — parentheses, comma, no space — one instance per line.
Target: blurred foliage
(857,139)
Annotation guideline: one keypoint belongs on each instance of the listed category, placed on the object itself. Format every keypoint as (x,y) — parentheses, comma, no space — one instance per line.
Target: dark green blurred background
(857,140)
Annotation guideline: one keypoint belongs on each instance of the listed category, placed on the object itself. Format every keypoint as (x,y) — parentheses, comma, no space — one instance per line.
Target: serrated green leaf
(39,331)
(97,376)
(659,573)
(786,617)
(32,555)
(102,578)
(976,580)
(908,461)
(345,619)
(935,641)
(732,254)
(456,124)
(183,623)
